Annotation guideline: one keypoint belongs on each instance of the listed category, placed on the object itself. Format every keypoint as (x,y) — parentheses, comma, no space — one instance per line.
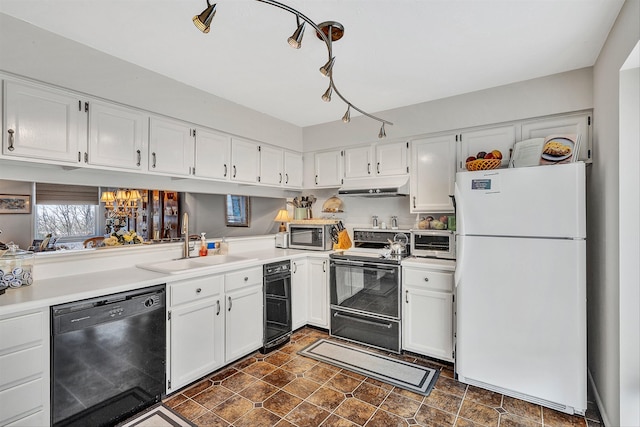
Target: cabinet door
(293,170)
(578,124)
(433,170)
(499,138)
(392,159)
(196,342)
(271,165)
(115,136)
(358,162)
(171,147)
(328,169)
(244,322)
(43,124)
(245,161)
(212,154)
(427,322)
(299,293)
(318,312)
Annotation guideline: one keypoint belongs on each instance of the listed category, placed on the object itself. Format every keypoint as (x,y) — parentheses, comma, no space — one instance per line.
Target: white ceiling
(394,52)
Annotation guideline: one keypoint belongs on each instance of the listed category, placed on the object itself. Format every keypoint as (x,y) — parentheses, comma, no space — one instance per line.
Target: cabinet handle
(414,201)
(218,306)
(406,296)
(295,268)
(234,171)
(230,303)
(369,168)
(79,156)
(316,179)
(378,167)
(153,163)
(86,157)
(11,132)
(324,266)
(280,182)
(286,178)
(139,157)
(426,279)
(198,290)
(225,170)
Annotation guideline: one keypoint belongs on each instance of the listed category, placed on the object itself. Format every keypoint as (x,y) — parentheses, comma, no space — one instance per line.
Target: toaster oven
(433,243)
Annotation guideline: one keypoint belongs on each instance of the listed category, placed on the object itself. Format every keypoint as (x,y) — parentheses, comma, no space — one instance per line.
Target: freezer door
(521,317)
(541,201)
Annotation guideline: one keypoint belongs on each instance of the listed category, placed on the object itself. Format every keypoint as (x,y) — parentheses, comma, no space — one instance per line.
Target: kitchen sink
(191,264)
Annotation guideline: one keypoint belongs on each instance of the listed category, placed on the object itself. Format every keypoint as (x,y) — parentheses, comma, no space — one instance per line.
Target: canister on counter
(16,268)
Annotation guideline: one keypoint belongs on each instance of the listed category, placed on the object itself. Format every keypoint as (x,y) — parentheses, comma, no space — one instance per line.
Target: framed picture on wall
(15,204)
(237,212)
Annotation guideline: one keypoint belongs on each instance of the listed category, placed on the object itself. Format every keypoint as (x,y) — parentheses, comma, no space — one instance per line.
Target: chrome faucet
(185,233)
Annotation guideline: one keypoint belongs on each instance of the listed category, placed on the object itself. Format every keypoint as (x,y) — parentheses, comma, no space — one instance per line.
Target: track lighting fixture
(295,41)
(203,21)
(382,133)
(347,116)
(326,68)
(328,32)
(327,95)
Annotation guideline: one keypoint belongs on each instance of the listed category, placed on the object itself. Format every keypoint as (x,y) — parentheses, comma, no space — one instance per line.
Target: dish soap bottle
(203,245)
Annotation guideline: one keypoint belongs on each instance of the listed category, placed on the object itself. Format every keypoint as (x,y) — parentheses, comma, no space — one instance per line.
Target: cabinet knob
(426,279)
(11,132)
(198,290)
(246,279)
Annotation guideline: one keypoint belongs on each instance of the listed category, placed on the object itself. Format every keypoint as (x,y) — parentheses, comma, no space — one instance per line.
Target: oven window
(369,289)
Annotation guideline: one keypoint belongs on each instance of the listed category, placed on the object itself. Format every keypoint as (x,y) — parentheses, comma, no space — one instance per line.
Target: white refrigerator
(521,283)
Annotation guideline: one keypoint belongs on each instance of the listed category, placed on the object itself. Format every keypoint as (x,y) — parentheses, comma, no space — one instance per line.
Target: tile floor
(284,389)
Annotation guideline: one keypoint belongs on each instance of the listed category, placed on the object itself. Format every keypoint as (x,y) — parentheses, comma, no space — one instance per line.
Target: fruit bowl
(483,164)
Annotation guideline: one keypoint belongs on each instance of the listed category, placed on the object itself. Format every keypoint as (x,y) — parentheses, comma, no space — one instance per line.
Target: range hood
(379,186)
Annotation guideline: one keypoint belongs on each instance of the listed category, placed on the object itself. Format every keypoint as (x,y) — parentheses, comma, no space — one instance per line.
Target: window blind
(58,194)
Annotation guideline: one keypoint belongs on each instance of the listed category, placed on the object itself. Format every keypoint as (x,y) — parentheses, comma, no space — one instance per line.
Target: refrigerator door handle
(459,259)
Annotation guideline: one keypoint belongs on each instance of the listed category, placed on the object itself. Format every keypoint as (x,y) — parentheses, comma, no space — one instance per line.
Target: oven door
(366,287)
(277,308)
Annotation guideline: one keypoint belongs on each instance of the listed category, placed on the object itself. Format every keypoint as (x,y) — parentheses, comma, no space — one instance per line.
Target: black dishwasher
(107,357)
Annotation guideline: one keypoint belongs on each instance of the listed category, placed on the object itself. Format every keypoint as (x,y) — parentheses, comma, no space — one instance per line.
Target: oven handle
(377,266)
(368,322)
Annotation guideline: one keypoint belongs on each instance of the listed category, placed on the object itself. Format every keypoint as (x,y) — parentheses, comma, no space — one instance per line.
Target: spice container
(16,268)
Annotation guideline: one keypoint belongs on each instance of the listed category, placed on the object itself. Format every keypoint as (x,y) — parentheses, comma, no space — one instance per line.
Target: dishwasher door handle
(368,322)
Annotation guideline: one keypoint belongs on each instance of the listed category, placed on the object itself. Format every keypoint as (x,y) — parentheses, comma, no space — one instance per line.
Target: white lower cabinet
(213,320)
(24,369)
(299,293)
(244,313)
(196,329)
(318,306)
(427,312)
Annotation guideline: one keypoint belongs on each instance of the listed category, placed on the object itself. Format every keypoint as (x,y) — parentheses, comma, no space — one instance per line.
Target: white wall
(559,93)
(32,52)
(17,228)
(603,286)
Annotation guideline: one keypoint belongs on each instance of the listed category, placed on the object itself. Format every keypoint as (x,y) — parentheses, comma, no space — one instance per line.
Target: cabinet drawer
(20,400)
(37,419)
(196,289)
(20,331)
(428,279)
(24,364)
(242,278)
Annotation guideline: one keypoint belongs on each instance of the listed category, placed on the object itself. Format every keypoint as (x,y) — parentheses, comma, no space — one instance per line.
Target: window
(68,213)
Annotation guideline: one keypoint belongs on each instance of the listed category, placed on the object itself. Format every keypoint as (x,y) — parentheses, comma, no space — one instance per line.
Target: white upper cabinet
(358,162)
(496,138)
(171,147)
(43,123)
(433,173)
(378,159)
(392,158)
(271,165)
(116,136)
(328,168)
(293,169)
(578,124)
(245,161)
(212,154)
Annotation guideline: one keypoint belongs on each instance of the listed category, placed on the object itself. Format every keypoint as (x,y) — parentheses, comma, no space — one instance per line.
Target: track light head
(295,41)
(327,94)
(203,21)
(382,133)
(326,68)
(347,116)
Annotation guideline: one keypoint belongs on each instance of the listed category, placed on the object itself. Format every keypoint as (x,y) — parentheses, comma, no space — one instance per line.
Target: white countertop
(58,290)
(440,264)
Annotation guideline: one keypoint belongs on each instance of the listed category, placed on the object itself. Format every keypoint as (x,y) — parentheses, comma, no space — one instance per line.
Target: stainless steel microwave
(315,237)
(433,243)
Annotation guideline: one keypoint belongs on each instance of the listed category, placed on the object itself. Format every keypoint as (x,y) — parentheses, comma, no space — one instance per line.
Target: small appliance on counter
(433,244)
(282,240)
(312,234)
